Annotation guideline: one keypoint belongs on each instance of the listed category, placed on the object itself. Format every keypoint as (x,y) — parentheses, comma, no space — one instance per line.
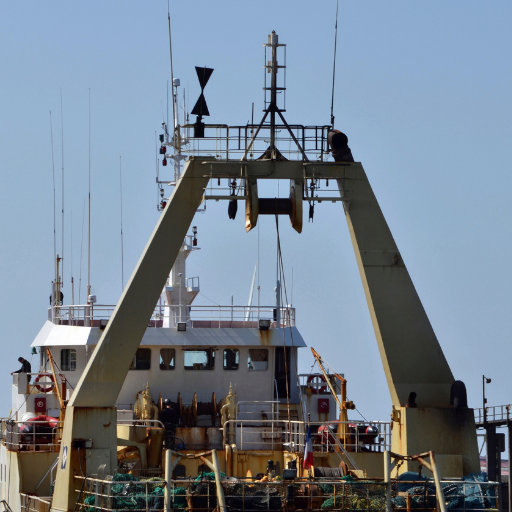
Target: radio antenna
(122,245)
(81,252)
(89,220)
(334,64)
(172,73)
(54,207)
(71,266)
(62,159)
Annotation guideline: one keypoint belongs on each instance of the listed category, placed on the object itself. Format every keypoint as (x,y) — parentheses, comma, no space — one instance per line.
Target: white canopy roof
(66,335)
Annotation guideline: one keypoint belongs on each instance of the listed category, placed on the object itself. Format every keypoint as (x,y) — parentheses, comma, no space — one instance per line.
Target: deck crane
(343,404)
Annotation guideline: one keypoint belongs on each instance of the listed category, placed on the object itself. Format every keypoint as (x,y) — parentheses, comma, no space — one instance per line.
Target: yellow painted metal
(83,423)
(251,204)
(55,381)
(91,413)
(411,355)
(296,193)
(451,432)
(342,428)
(105,373)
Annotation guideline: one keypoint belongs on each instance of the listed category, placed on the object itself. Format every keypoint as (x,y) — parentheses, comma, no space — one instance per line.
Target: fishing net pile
(472,493)
(411,490)
(239,496)
(129,493)
(351,494)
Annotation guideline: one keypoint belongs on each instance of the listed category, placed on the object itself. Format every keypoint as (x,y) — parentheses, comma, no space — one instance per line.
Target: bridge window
(200,359)
(142,359)
(68,359)
(258,359)
(231,359)
(167,358)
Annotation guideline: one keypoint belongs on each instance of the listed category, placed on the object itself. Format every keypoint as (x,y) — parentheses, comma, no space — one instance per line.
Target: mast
(273,38)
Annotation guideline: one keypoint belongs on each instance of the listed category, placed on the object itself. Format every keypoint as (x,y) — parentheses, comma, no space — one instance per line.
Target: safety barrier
(199,494)
(197,316)
(233,142)
(495,413)
(32,435)
(267,434)
(122,492)
(31,503)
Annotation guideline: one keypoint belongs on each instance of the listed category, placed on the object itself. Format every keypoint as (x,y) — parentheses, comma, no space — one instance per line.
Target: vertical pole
(220,491)
(491,452)
(168,476)
(387,479)
(273,90)
(439,488)
(509,463)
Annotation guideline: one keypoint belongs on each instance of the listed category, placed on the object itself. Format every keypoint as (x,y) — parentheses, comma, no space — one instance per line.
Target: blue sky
(423,91)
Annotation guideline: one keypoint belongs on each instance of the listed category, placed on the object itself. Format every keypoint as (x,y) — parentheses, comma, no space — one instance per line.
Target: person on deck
(169,418)
(25,368)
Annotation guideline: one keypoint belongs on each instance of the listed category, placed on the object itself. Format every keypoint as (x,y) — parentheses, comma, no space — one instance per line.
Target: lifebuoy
(40,387)
(317,383)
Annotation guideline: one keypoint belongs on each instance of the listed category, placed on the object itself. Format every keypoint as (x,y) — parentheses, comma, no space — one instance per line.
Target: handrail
(249,402)
(339,444)
(494,413)
(141,423)
(294,433)
(342,494)
(99,316)
(19,439)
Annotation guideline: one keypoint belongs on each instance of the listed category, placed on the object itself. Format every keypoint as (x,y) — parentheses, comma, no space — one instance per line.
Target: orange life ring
(317,383)
(44,389)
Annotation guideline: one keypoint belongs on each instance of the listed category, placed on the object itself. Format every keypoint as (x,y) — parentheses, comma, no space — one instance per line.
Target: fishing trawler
(131,402)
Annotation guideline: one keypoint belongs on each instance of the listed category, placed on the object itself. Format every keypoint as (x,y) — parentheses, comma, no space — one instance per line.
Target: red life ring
(40,387)
(317,383)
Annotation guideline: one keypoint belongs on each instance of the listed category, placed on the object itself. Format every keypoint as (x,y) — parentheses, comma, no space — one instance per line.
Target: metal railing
(258,409)
(142,423)
(314,382)
(197,316)
(32,435)
(250,495)
(232,142)
(268,434)
(31,503)
(123,492)
(495,413)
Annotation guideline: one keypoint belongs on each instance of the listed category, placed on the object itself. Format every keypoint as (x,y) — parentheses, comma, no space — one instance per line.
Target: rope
(280,263)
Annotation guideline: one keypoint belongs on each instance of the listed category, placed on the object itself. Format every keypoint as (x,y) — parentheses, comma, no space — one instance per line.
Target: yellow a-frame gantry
(419,378)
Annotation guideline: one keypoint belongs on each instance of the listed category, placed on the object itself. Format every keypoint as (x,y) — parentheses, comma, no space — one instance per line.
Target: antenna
(271,67)
(62,159)
(201,109)
(71,266)
(89,221)
(122,246)
(172,74)
(334,64)
(54,200)
(81,252)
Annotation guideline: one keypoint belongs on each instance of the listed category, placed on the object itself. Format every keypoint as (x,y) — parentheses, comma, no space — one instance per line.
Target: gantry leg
(412,357)
(91,412)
